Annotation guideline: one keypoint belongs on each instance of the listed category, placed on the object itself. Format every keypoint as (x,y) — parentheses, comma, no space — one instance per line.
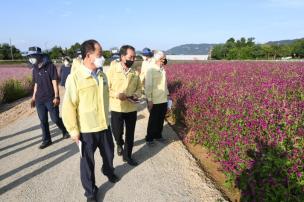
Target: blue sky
(158,24)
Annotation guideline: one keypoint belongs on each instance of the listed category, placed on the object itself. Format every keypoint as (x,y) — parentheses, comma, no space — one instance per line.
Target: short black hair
(87,47)
(123,50)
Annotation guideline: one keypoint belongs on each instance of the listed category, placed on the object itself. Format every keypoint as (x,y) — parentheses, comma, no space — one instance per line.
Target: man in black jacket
(46,94)
(65,70)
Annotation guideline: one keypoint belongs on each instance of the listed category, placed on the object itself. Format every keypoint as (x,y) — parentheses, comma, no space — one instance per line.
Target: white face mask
(66,63)
(98,62)
(33,61)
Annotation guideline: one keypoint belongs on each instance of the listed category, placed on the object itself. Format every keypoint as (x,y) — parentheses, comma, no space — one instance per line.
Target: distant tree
(71,52)
(247,49)
(241,43)
(298,49)
(107,54)
(250,41)
(230,43)
(232,54)
(257,52)
(217,52)
(245,53)
(275,51)
(286,50)
(5,52)
(267,50)
(56,52)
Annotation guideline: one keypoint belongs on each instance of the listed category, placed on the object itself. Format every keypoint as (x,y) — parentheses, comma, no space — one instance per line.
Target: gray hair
(158,54)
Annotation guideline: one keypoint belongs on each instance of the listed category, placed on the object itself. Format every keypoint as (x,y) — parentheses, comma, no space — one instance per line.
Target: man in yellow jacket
(76,62)
(157,94)
(125,89)
(148,59)
(85,113)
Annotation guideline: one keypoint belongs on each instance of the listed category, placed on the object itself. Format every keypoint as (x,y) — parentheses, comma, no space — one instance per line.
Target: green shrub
(12,89)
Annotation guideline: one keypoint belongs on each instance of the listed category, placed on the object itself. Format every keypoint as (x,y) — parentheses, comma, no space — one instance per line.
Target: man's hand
(56,101)
(76,138)
(135,97)
(122,96)
(150,105)
(32,103)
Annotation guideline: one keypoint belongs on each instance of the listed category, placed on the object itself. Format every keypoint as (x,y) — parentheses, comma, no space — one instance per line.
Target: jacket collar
(119,68)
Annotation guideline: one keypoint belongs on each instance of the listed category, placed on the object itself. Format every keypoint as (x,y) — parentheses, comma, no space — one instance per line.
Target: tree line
(244,49)
(57,52)
(7,52)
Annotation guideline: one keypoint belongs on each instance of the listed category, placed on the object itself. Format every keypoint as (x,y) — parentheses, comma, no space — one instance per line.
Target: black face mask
(165,61)
(129,63)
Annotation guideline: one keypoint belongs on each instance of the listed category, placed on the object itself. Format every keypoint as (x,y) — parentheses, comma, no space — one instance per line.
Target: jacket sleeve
(69,107)
(149,83)
(167,90)
(110,81)
(138,88)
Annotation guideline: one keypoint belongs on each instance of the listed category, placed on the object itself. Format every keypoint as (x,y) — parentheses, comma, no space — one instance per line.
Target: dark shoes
(130,161)
(92,199)
(113,178)
(162,140)
(119,150)
(150,143)
(45,144)
(65,135)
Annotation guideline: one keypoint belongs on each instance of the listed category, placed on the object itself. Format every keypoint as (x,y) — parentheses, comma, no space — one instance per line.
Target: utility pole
(12,56)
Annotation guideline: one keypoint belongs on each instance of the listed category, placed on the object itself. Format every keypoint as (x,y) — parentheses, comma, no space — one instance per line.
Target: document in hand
(80,148)
(170,104)
(133,100)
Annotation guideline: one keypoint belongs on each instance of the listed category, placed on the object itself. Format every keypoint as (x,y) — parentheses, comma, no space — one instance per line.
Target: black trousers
(42,109)
(90,141)
(156,121)
(118,120)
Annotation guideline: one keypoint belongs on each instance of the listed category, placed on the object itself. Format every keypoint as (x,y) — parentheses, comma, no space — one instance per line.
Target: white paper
(142,102)
(170,104)
(80,147)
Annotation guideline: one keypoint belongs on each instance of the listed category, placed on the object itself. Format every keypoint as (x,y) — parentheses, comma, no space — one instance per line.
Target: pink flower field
(250,115)
(17,73)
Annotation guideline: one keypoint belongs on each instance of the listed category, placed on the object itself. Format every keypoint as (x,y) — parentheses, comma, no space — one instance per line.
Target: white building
(187,57)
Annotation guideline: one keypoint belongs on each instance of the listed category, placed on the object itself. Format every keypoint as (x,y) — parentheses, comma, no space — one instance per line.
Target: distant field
(14,72)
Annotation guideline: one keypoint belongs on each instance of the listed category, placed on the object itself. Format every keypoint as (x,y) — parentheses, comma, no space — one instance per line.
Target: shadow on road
(54,133)
(24,131)
(62,153)
(143,154)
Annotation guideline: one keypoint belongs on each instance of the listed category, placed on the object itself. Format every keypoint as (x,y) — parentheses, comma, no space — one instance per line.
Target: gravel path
(167,172)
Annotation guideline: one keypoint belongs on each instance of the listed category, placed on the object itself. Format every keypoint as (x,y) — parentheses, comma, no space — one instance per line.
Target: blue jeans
(42,109)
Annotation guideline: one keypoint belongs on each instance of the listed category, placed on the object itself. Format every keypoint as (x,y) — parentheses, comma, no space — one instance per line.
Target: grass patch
(12,89)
